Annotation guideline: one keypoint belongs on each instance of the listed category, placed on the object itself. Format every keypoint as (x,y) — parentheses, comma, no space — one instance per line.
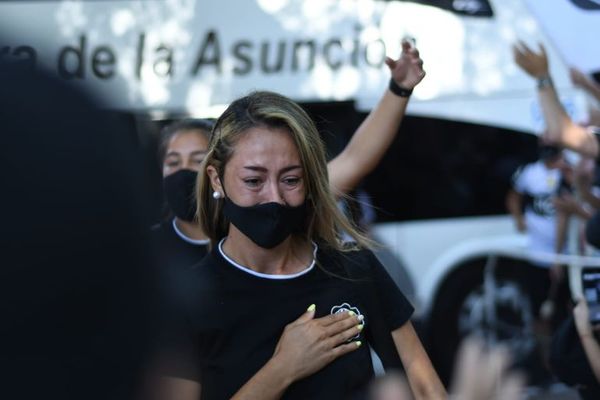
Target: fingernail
(351,312)
(360,327)
(311,307)
(358,343)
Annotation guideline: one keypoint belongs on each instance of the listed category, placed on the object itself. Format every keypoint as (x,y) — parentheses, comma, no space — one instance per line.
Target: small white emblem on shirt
(345,307)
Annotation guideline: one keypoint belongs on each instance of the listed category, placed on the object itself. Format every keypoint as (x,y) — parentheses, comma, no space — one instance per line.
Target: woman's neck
(190,229)
(289,257)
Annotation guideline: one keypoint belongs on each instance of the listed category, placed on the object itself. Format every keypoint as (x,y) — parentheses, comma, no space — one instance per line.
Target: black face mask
(267,224)
(179,190)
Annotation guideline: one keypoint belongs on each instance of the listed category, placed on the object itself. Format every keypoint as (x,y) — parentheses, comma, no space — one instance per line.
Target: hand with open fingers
(309,344)
(407,71)
(533,63)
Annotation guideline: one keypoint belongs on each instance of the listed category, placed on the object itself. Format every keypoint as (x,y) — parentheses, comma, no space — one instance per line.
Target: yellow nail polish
(360,327)
(351,312)
(358,343)
(312,307)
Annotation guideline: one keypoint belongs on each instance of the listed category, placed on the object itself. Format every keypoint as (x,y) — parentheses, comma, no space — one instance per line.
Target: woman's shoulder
(351,259)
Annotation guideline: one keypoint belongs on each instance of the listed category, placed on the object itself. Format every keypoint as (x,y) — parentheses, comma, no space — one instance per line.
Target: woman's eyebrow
(259,168)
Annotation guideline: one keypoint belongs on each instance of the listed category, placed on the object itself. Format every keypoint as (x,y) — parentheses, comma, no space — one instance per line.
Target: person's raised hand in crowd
(534,63)
(560,127)
(377,132)
(482,373)
(407,71)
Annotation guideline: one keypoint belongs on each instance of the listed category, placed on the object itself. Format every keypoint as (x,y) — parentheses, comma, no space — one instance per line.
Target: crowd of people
(263,287)
(576,342)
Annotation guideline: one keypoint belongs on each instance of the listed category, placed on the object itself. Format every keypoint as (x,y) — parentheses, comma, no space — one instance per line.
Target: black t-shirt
(234,319)
(173,249)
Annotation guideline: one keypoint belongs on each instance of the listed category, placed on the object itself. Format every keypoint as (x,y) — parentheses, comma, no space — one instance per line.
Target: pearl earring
(216,195)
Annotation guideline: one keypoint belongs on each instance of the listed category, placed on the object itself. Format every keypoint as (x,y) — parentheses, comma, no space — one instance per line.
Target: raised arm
(590,86)
(422,378)
(581,80)
(560,126)
(374,136)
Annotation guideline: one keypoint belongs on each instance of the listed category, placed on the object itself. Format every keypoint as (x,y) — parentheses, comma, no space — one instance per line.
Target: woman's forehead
(263,143)
(192,138)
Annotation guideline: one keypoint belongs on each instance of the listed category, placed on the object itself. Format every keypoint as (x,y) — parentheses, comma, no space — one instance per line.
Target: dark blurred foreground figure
(76,285)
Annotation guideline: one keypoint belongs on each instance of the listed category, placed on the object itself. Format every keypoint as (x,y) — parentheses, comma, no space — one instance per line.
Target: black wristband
(399,90)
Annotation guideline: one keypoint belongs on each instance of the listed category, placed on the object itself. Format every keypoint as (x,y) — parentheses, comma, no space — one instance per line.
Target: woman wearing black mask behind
(179,237)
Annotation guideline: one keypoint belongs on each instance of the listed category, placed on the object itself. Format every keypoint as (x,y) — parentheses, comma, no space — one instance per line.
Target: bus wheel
(469,305)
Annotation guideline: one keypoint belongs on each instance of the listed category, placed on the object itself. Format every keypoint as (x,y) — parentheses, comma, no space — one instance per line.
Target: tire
(462,308)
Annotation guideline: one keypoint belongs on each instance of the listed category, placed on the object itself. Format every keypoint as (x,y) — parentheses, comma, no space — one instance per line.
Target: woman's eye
(198,161)
(291,181)
(252,182)
(172,164)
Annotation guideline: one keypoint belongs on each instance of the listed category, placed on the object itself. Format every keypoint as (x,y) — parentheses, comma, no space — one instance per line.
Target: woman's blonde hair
(325,221)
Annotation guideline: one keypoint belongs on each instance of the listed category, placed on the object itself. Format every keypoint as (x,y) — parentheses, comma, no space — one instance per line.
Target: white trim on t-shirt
(198,242)
(270,276)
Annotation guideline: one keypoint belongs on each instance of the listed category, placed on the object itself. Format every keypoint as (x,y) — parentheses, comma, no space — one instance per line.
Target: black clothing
(592,228)
(234,320)
(77,286)
(569,362)
(173,250)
